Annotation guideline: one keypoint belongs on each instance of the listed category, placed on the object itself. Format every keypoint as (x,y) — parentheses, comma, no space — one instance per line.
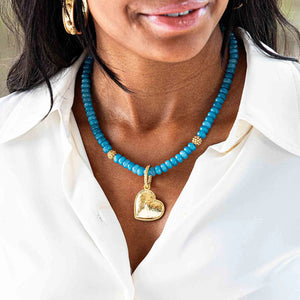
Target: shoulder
(275,68)
(271,95)
(21,111)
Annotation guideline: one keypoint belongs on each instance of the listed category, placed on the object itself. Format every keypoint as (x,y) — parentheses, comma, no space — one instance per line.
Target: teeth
(172,15)
(184,13)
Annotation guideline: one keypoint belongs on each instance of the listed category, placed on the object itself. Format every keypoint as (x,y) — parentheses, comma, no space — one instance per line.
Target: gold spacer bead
(111,154)
(197,140)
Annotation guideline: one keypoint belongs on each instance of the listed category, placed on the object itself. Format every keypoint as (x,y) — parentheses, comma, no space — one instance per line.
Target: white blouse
(233,233)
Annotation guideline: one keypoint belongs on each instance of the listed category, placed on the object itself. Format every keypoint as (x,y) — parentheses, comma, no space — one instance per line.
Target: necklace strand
(186,151)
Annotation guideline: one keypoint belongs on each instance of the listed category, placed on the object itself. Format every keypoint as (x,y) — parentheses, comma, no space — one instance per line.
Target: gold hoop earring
(68,16)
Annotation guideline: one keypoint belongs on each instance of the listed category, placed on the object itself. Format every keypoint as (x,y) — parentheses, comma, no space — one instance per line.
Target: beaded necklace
(146,206)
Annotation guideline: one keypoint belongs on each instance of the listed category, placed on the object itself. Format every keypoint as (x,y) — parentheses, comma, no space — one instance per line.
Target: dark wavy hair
(48,48)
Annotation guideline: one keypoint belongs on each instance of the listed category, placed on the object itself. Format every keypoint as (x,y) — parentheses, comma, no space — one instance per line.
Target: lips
(163,24)
(174,8)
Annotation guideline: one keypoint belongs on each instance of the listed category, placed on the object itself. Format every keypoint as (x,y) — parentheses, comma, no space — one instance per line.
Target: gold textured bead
(111,154)
(197,140)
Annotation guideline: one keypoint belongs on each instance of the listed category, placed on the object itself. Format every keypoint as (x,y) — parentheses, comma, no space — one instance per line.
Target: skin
(175,79)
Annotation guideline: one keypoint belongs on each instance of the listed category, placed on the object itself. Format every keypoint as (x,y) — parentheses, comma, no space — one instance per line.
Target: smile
(174,22)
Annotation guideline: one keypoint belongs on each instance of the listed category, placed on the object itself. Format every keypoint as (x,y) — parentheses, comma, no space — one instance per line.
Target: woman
(111,190)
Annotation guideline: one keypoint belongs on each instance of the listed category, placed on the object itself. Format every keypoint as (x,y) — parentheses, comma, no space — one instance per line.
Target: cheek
(219,8)
(109,15)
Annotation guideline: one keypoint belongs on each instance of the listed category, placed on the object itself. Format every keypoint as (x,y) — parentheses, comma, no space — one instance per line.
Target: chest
(121,188)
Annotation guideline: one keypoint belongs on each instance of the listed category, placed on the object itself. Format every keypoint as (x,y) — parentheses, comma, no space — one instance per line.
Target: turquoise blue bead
(183,154)
(217,105)
(85,90)
(203,128)
(168,164)
(230,70)
(99,135)
(90,113)
(86,69)
(236,56)
(117,157)
(224,91)
(86,86)
(88,64)
(85,80)
(233,61)
(192,146)
(96,131)
(222,96)
(229,75)
(201,134)
(212,115)
(87,100)
(174,161)
(126,163)
(93,122)
(140,171)
(121,160)
(179,158)
(152,171)
(130,166)
(209,119)
(227,80)
(158,170)
(187,150)
(164,167)
(104,143)
(206,124)
(231,66)
(88,104)
(89,108)
(215,110)
(107,148)
(219,100)
(92,118)
(232,51)
(101,140)
(225,86)
(135,168)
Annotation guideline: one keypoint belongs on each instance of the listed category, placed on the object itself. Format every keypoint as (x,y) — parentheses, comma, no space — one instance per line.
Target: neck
(164,93)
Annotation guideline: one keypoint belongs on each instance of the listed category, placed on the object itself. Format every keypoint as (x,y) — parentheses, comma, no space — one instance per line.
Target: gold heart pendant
(147,207)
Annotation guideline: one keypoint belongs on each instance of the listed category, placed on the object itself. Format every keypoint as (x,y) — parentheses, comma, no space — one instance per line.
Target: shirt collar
(270,101)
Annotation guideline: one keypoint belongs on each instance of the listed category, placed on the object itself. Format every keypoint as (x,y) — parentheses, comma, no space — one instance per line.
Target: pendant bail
(147,179)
